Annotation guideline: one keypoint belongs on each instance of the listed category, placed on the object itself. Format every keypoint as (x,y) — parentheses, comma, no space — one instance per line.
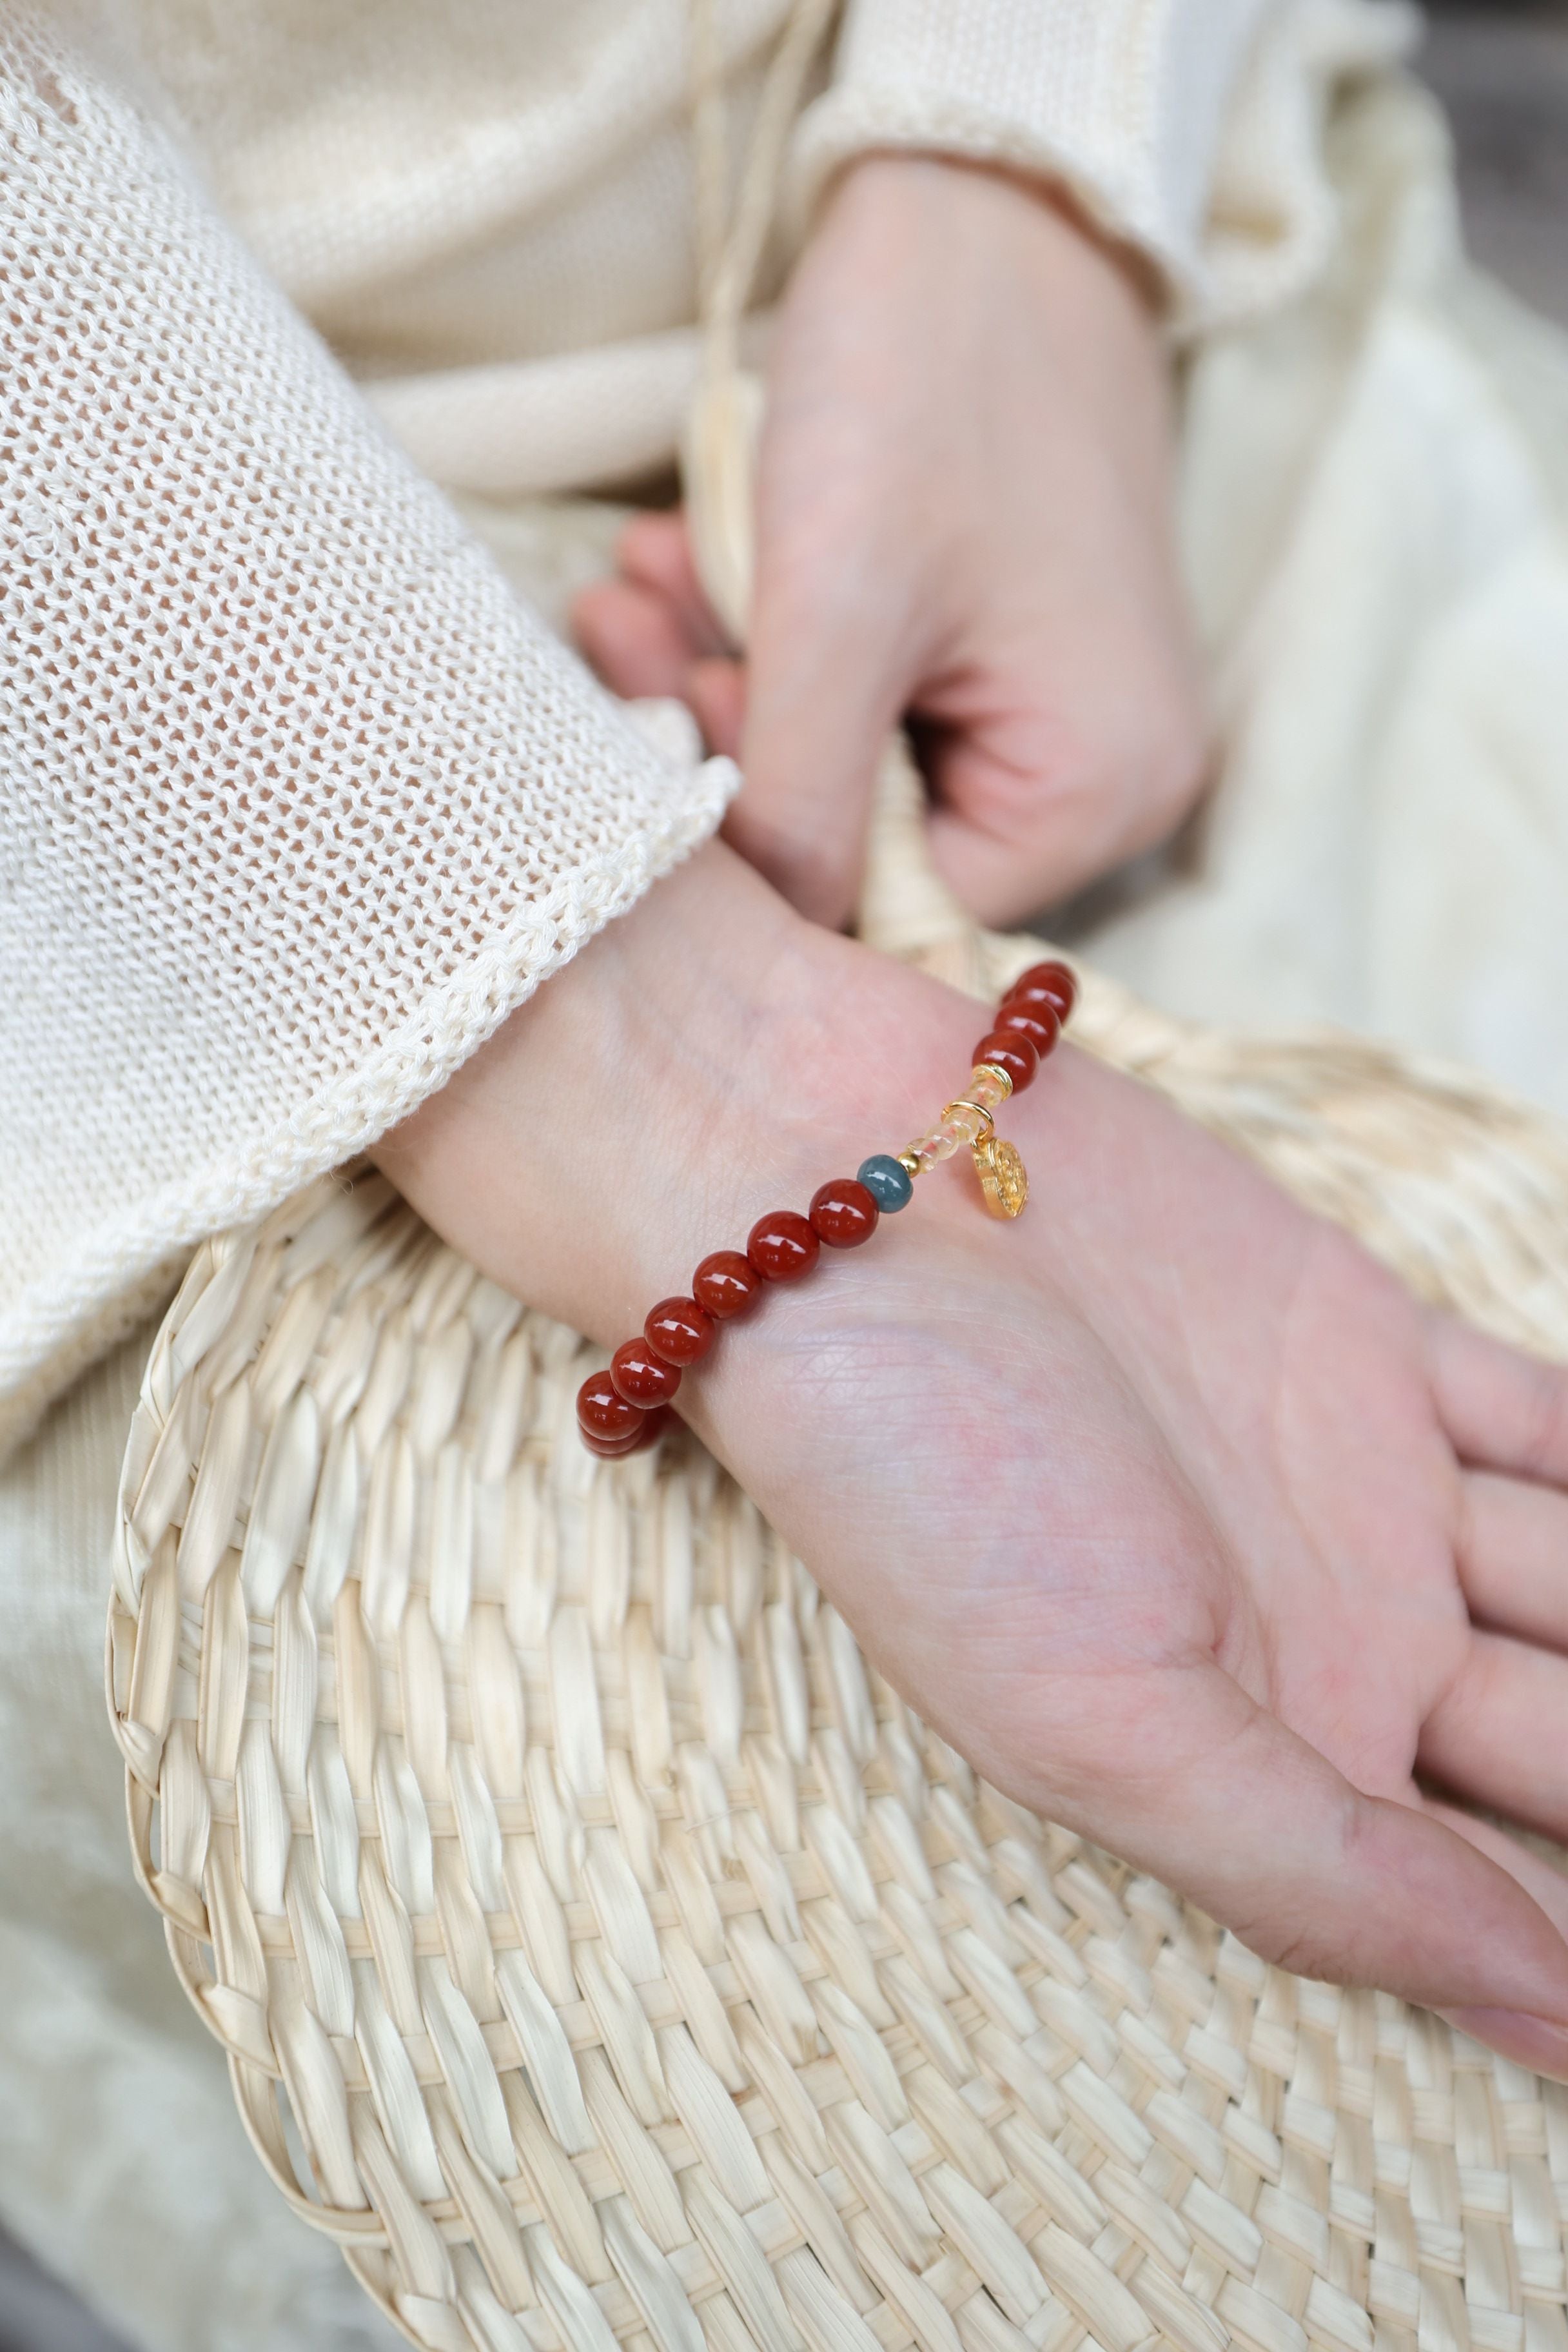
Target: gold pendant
(1004,1179)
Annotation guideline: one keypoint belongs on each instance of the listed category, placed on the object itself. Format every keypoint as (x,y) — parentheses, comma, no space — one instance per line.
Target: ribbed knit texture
(299,803)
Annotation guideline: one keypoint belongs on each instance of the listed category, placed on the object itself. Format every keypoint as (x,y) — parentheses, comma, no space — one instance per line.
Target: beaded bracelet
(625,1408)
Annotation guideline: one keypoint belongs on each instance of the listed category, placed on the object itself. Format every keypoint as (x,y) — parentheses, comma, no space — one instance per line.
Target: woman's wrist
(707,1056)
(912,181)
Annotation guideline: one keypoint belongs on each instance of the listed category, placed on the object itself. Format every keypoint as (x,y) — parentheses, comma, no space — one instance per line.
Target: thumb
(823,691)
(1046,772)
(1264,1832)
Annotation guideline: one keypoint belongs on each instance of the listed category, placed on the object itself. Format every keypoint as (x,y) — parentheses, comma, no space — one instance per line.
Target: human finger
(1512,1554)
(1494,1736)
(655,551)
(817,716)
(1527,2041)
(828,670)
(1046,772)
(1502,1410)
(1542,1883)
(1254,1823)
(819,707)
(716,694)
(632,637)
(636,642)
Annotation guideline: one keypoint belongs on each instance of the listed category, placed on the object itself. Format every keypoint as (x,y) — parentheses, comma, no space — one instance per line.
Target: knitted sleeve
(298,803)
(1189,128)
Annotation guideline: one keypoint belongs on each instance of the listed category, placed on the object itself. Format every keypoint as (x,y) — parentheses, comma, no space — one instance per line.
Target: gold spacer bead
(995,1070)
(910,1164)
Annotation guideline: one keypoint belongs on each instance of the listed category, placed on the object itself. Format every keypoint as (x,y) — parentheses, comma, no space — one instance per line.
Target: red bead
(726,1284)
(643,1378)
(843,1213)
(612,1449)
(1038,1022)
(782,1245)
(1010,1052)
(1045,983)
(678,1331)
(603,1411)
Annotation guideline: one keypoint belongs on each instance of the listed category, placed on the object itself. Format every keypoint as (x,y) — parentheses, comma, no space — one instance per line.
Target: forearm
(708,1056)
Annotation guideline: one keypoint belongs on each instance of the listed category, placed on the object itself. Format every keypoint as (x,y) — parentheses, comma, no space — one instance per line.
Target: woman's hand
(964,515)
(1165,1505)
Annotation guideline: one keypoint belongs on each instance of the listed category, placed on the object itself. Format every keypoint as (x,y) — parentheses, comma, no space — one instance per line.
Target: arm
(299,803)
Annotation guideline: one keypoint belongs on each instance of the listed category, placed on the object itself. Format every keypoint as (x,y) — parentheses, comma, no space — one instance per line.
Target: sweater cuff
(1143,112)
(299,803)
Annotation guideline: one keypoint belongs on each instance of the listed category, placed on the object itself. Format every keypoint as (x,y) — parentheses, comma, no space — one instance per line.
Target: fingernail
(1533,2042)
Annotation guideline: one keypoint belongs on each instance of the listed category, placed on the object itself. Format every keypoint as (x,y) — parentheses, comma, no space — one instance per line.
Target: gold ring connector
(961,1102)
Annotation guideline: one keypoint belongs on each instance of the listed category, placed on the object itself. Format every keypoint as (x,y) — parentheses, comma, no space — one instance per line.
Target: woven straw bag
(604,1954)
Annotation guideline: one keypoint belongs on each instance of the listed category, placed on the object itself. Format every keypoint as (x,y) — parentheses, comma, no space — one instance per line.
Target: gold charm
(1004,1179)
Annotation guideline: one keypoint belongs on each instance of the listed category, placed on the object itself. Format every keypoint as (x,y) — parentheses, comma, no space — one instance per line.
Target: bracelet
(622,1408)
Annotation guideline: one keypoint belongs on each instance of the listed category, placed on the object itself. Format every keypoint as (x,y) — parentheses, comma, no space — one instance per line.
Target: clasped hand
(964,520)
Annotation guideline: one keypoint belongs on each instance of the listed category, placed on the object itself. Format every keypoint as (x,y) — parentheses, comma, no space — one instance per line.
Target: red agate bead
(726,1284)
(603,1412)
(641,1376)
(612,1449)
(1045,983)
(1011,1052)
(782,1245)
(678,1331)
(1038,1022)
(843,1214)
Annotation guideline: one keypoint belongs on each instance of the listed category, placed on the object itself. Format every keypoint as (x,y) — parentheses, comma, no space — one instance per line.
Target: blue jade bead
(888,1184)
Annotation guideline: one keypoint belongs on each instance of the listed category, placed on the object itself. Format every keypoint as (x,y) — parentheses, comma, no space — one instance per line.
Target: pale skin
(1164,1505)
(939,537)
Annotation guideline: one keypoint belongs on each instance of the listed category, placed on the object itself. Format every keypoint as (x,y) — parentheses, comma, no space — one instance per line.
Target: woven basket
(606,1955)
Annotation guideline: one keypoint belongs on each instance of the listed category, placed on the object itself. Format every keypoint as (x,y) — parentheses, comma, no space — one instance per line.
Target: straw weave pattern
(606,1956)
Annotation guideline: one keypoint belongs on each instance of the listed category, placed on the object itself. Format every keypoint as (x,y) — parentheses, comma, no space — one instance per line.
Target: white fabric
(1375,496)
(1192,128)
(298,803)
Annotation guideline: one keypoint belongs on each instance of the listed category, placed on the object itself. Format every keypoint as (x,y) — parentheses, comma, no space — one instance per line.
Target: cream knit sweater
(299,803)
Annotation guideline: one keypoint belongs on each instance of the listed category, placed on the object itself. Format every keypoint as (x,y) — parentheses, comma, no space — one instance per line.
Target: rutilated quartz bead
(966,1119)
(928,1150)
(988,1085)
(954,1132)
